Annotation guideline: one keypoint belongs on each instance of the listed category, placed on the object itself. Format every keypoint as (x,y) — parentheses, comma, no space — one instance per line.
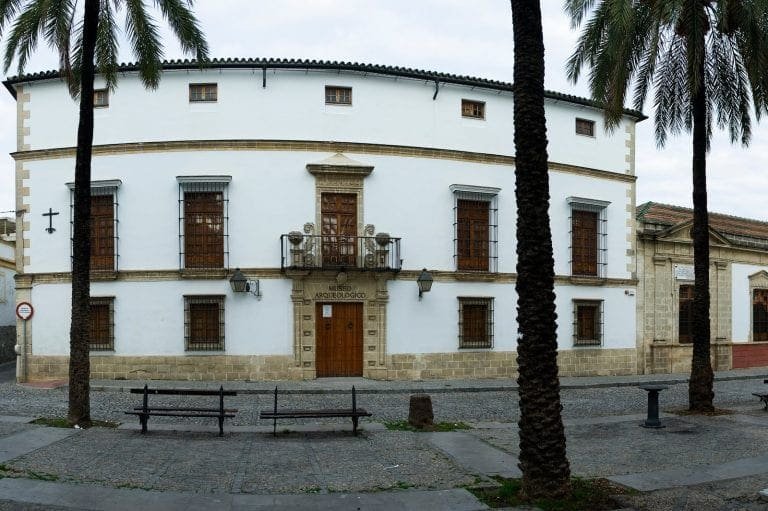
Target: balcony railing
(331,252)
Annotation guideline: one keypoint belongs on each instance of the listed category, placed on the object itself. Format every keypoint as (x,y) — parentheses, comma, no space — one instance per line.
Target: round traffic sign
(24,310)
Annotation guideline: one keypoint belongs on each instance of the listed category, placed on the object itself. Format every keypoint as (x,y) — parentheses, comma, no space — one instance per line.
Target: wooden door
(102,233)
(338,218)
(339,339)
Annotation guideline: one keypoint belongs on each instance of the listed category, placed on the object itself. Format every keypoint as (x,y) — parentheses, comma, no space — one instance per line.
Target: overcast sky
(454,36)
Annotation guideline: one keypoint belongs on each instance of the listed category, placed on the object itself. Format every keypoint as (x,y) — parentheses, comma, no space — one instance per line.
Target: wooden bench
(295,413)
(144,411)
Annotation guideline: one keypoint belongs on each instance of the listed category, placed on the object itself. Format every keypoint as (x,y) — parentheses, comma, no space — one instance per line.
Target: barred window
(587,322)
(204,323)
(475,228)
(585,127)
(203,222)
(102,324)
(472,109)
(101,98)
(760,315)
(475,322)
(588,237)
(685,314)
(203,92)
(104,224)
(338,95)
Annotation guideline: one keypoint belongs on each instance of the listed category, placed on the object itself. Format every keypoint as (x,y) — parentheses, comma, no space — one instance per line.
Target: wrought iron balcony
(335,252)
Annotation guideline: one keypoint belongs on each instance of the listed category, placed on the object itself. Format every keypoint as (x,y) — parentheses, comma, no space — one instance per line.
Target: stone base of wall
(666,358)
(456,365)
(201,368)
(503,364)
(7,342)
(753,354)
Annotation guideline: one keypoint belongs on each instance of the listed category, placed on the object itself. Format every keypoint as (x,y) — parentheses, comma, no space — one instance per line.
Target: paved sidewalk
(695,463)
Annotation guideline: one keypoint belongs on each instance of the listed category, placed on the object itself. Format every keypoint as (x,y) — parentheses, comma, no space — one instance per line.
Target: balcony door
(338,217)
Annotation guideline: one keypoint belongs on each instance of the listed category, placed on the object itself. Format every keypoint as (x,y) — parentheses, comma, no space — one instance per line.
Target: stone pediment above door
(683,232)
(759,279)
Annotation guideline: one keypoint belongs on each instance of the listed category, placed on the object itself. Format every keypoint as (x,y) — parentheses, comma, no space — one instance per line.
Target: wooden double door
(339,339)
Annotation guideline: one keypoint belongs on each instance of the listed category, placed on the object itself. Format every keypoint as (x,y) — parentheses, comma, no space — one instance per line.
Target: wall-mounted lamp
(424,281)
(240,284)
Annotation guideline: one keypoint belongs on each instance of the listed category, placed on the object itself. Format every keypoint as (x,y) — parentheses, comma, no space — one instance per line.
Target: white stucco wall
(149,317)
(7,286)
(292,107)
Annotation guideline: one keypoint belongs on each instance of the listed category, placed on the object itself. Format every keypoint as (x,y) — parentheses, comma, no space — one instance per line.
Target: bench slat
(182,409)
(303,414)
(181,414)
(185,392)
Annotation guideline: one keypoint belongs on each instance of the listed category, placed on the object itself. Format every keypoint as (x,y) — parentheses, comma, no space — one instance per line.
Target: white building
(376,172)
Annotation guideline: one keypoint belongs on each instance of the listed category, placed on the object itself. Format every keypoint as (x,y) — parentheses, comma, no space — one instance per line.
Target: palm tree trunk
(700,393)
(543,461)
(79,361)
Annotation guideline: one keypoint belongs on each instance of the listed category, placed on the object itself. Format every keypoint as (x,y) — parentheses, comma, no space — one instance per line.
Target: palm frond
(107,46)
(8,10)
(145,41)
(24,35)
(182,21)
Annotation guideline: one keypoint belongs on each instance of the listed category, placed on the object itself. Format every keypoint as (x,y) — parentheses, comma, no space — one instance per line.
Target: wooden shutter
(204,324)
(584,242)
(100,326)
(472,227)
(685,315)
(587,324)
(203,230)
(102,233)
(474,328)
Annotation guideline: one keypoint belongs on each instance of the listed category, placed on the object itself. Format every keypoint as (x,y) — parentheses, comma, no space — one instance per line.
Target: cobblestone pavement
(602,440)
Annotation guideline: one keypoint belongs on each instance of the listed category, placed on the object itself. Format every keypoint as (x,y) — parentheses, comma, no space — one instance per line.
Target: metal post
(652,421)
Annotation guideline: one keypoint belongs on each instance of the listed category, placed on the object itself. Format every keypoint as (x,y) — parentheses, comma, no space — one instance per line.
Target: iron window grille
(473,109)
(585,127)
(587,322)
(203,92)
(475,323)
(204,323)
(101,98)
(475,228)
(335,95)
(685,314)
(589,237)
(760,315)
(102,324)
(105,238)
(204,222)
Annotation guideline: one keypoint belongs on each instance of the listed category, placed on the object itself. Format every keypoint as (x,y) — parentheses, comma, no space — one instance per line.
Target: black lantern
(424,281)
(238,282)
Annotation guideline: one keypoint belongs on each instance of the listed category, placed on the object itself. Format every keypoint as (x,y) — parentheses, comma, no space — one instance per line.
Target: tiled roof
(668,215)
(271,63)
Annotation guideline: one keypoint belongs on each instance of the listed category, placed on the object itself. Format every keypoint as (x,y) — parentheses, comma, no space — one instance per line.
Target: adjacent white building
(331,186)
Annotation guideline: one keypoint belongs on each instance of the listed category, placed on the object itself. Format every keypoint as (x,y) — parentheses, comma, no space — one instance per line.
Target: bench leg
(274,427)
(221,426)
(143,420)
(354,425)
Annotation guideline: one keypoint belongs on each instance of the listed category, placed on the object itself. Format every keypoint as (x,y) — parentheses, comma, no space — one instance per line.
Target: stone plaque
(684,272)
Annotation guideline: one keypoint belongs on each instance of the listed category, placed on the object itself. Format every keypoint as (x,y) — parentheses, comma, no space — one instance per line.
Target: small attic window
(203,92)
(585,127)
(338,95)
(472,109)
(101,98)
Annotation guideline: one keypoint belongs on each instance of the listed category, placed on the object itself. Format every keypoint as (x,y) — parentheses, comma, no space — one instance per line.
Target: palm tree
(706,60)
(83,47)
(543,461)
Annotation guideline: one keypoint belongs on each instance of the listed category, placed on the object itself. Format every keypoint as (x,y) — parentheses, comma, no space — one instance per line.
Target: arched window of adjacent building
(760,315)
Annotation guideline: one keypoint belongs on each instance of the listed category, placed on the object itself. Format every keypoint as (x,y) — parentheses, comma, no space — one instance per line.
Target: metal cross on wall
(50,229)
